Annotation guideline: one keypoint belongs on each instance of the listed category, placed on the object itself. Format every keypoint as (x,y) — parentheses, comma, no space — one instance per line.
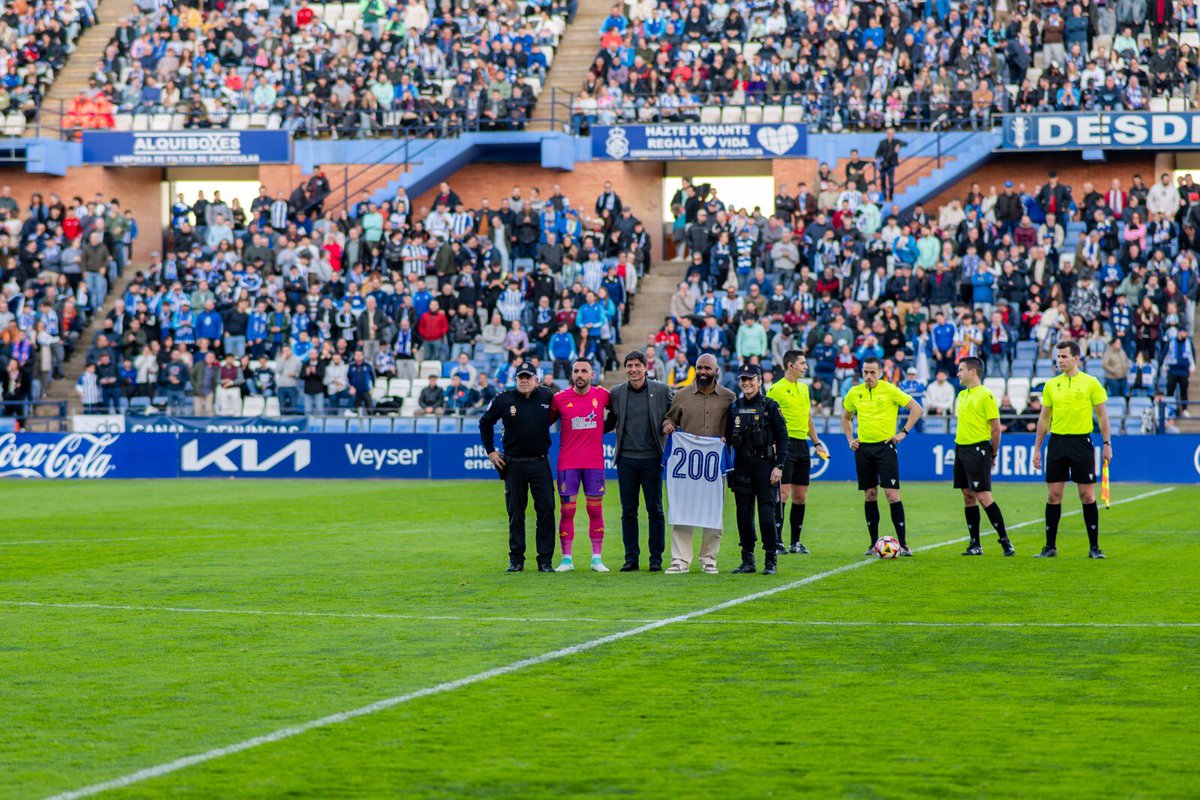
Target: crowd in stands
(35,38)
(843,276)
(329,311)
(840,65)
(325,69)
(57,260)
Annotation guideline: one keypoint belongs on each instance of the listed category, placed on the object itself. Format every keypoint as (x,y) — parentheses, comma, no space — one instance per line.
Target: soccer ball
(887,547)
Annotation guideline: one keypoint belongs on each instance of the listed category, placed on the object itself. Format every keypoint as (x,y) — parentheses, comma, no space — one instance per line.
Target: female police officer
(758,433)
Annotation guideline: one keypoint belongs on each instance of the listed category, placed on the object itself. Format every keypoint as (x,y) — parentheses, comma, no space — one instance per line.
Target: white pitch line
(479,677)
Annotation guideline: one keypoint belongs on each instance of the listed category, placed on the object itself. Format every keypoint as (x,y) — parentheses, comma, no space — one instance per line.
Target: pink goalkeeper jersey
(581,416)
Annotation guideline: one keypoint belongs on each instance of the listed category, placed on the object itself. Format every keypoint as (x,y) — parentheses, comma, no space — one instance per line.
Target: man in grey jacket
(287,378)
(638,407)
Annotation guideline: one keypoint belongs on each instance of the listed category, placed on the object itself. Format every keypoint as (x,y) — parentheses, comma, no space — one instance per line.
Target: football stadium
(865,330)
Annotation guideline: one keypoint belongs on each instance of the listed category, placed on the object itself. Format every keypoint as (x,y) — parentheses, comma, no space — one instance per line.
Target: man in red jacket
(433,327)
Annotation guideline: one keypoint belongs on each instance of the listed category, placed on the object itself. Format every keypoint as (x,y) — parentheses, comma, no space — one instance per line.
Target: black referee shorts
(1070,458)
(973,466)
(798,464)
(877,465)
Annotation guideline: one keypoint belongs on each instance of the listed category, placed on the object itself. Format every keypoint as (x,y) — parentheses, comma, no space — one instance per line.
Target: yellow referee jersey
(877,410)
(1072,398)
(795,403)
(976,408)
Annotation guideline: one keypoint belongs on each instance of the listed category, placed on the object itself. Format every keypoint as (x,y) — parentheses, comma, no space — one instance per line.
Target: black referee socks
(1091,518)
(797,520)
(972,515)
(1053,514)
(897,509)
(997,520)
(872,511)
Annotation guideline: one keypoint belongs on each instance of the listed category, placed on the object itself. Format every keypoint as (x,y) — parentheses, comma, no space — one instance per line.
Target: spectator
(939,396)
(432,399)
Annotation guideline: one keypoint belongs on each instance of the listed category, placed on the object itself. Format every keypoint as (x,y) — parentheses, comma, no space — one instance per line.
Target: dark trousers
(752,483)
(521,479)
(887,182)
(641,477)
(1178,382)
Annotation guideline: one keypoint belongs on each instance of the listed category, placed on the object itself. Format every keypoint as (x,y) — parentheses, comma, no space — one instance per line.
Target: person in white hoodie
(1163,197)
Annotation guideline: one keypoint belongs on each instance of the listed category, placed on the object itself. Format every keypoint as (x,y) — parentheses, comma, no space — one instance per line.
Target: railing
(29,411)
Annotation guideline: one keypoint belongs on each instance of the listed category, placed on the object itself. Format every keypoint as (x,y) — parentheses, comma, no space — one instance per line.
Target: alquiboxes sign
(211,148)
(444,456)
(1106,130)
(675,142)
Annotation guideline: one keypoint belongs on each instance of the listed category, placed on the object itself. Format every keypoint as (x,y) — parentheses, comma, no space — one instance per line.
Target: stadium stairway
(64,388)
(73,78)
(575,55)
(961,153)
(652,305)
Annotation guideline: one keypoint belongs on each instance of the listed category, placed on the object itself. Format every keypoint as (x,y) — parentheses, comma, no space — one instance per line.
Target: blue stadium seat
(425,424)
(379,424)
(316,425)
(354,425)
(335,425)
(402,425)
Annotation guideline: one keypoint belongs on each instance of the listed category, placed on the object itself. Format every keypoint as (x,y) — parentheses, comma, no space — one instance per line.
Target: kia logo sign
(247,457)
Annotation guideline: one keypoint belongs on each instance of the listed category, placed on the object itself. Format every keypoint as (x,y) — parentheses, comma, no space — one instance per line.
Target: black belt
(522,459)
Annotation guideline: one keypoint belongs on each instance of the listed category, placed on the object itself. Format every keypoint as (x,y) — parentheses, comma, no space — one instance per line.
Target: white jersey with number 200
(695,468)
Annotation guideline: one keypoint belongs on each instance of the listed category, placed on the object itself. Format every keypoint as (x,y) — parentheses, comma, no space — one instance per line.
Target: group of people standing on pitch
(772,441)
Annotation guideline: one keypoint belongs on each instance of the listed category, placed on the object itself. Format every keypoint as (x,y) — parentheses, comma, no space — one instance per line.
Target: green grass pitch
(145,622)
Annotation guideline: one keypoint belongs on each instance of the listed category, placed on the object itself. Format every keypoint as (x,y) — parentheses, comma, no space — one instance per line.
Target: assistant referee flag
(877,410)
(795,404)
(1072,399)
(976,408)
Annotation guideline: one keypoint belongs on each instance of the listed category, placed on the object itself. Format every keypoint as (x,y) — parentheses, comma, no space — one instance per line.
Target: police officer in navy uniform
(758,433)
(525,463)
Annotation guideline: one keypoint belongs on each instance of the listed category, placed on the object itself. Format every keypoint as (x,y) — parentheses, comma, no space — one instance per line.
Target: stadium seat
(141,122)
(124,122)
(316,425)
(272,407)
(443,383)
(793,114)
(259,120)
(995,385)
(239,122)
(754,115)
(379,424)
(379,391)
(426,425)
(335,424)
(402,425)
(399,387)
(450,424)
(1158,104)
(160,122)
(772,115)
(354,425)
(731,115)
(935,424)
(14,124)
(253,406)
(430,367)
(710,115)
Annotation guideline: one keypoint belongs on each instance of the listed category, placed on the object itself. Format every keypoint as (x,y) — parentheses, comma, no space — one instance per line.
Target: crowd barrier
(444,456)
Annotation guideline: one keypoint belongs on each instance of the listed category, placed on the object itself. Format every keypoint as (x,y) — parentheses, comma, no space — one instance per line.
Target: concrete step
(73,78)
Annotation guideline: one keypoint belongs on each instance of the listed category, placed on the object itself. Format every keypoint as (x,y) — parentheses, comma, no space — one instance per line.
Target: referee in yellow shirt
(796,405)
(877,403)
(1068,401)
(976,443)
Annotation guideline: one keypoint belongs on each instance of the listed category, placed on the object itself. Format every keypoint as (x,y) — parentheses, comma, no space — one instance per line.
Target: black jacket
(747,413)
(660,401)
(526,423)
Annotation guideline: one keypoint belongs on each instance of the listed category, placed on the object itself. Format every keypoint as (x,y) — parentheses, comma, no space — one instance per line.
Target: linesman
(525,464)
(1069,400)
(796,405)
(976,443)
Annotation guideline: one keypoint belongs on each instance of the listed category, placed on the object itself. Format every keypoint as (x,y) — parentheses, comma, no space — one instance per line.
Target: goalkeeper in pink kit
(580,410)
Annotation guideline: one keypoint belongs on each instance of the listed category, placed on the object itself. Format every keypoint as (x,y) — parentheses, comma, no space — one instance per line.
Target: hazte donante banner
(698,141)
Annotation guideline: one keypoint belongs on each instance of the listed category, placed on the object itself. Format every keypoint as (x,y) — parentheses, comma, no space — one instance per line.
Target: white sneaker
(674,570)
(598,566)
(565,566)
(708,570)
